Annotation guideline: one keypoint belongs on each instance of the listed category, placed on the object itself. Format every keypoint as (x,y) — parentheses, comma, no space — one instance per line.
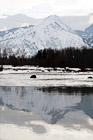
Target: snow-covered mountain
(50,33)
(20,20)
(87,35)
(2,33)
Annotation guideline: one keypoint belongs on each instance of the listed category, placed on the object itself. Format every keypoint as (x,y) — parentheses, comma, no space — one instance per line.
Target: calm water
(50,103)
(70,107)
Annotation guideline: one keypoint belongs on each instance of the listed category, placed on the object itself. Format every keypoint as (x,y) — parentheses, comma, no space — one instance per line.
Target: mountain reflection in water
(50,103)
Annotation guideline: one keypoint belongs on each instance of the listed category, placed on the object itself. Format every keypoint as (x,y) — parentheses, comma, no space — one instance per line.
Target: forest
(67,57)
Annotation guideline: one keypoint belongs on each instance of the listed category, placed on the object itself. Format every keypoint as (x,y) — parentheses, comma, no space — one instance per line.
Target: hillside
(50,33)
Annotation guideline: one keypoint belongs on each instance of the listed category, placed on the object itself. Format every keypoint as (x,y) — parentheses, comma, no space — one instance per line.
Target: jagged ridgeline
(52,32)
(87,35)
(51,43)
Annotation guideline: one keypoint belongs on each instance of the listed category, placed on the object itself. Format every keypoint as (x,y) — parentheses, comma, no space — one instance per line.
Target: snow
(75,22)
(15,76)
(31,113)
(87,35)
(50,33)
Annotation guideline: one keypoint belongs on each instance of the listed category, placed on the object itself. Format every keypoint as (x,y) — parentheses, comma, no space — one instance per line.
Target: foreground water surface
(47,113)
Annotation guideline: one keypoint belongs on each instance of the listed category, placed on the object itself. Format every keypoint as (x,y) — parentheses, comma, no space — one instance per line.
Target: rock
(90,77)
(48,70)
(33,76)
(55,69)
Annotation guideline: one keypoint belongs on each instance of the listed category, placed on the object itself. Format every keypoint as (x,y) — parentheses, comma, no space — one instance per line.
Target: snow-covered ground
(20,76)
(33,112)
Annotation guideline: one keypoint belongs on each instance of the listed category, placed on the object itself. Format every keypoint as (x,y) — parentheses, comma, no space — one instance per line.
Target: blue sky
(43,8)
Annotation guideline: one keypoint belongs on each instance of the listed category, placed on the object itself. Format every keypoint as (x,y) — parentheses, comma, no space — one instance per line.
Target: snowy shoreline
(46,77)
(28,69)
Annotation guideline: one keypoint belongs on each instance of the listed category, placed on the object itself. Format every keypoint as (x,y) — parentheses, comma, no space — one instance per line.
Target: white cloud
(42,8)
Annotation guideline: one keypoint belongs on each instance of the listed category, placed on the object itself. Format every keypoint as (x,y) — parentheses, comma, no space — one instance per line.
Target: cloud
(42,8)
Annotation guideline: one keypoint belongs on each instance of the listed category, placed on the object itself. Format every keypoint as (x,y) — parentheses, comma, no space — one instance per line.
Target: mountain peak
(53,18)
(50,33)
(55,23)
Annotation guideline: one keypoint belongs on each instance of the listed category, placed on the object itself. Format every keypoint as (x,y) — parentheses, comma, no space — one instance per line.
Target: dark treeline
(68,57)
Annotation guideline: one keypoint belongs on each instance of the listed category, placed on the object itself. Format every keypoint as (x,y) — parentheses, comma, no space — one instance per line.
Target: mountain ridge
(87,35)
(50,33)
(14,21)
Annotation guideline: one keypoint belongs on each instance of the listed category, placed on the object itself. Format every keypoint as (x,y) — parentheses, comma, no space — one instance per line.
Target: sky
(43,8)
